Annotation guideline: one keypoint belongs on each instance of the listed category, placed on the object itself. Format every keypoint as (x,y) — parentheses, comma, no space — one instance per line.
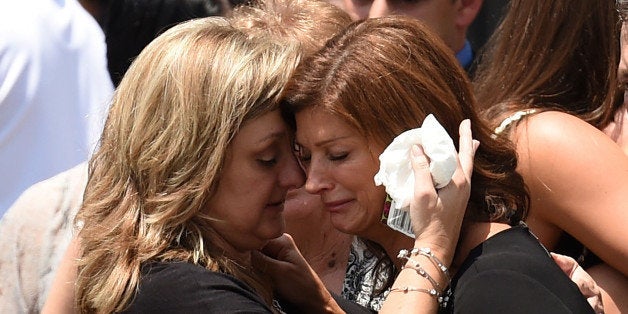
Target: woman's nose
(317,179)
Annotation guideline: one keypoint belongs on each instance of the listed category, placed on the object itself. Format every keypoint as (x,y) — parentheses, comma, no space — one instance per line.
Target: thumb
(566,263)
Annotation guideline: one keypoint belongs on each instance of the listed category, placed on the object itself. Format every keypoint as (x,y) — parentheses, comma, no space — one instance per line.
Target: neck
(327,252)
(240,256)
(392,241)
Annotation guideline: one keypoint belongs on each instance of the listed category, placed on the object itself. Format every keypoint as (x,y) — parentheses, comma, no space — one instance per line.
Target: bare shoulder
(553,126)
(554,135)
(562,155)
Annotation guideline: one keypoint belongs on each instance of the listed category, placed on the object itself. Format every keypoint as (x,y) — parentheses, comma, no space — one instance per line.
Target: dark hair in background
(129,25)
(551,55)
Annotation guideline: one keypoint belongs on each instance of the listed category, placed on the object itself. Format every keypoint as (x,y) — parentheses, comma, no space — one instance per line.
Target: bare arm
(61,296)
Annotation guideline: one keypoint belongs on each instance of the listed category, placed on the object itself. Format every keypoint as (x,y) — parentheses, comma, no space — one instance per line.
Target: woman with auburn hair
(550,89)
(377,79)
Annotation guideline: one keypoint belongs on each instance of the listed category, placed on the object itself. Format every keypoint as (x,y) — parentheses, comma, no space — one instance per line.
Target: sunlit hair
(551,55)
(384,76)
(310,23)
(162,151)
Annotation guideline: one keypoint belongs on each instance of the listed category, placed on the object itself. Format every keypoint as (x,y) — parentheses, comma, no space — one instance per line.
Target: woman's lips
(277,206)
(337,206)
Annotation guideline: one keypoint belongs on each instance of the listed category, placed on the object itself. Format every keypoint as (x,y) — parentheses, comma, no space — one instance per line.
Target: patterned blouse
(360,281)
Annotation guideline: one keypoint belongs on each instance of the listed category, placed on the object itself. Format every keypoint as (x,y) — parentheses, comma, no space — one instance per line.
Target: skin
(259,159)
(436,217)
(585,283)
(324,247)
(60,299)
(566,178)
(449,19)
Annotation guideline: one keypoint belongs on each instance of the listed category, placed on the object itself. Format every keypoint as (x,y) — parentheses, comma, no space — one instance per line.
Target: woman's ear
(467,10)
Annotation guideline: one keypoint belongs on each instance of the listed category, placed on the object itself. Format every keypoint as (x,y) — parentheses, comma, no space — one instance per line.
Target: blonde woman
(190,178)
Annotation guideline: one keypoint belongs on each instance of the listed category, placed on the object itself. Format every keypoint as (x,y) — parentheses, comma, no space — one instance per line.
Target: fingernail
(476,144)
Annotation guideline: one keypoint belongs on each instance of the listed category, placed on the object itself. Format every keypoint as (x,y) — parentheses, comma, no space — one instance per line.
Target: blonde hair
(161,154)
(309,23)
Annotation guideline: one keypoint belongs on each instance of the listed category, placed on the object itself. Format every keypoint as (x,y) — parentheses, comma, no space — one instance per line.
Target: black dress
(512,272)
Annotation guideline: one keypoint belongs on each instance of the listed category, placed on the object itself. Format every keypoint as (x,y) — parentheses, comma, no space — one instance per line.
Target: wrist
(431,275)
(443,249)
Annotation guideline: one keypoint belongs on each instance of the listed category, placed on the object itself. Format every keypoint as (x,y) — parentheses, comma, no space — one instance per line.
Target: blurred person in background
(54,90)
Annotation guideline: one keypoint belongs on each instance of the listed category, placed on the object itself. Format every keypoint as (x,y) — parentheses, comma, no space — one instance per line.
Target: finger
(596,304)
(467,148)
(585,282)
(423,183)
(566,263)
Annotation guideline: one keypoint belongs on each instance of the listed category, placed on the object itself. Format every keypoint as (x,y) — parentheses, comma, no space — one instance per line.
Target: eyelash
(338,157)
(268,162)
(306,158)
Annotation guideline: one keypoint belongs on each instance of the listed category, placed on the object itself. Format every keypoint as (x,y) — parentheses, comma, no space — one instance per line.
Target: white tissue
(395,170)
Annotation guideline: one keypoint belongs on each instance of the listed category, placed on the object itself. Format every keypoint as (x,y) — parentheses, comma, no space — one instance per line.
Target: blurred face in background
(448,18)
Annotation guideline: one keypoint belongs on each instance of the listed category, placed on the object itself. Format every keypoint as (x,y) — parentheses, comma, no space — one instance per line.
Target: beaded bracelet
(425,251)
(441,299)
(407,289)
(419,270)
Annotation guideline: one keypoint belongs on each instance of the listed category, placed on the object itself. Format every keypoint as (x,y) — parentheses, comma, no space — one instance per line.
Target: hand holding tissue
(396,172)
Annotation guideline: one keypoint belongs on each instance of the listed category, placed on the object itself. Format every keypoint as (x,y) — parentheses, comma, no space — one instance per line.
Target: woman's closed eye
(267,162)
(338,156)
